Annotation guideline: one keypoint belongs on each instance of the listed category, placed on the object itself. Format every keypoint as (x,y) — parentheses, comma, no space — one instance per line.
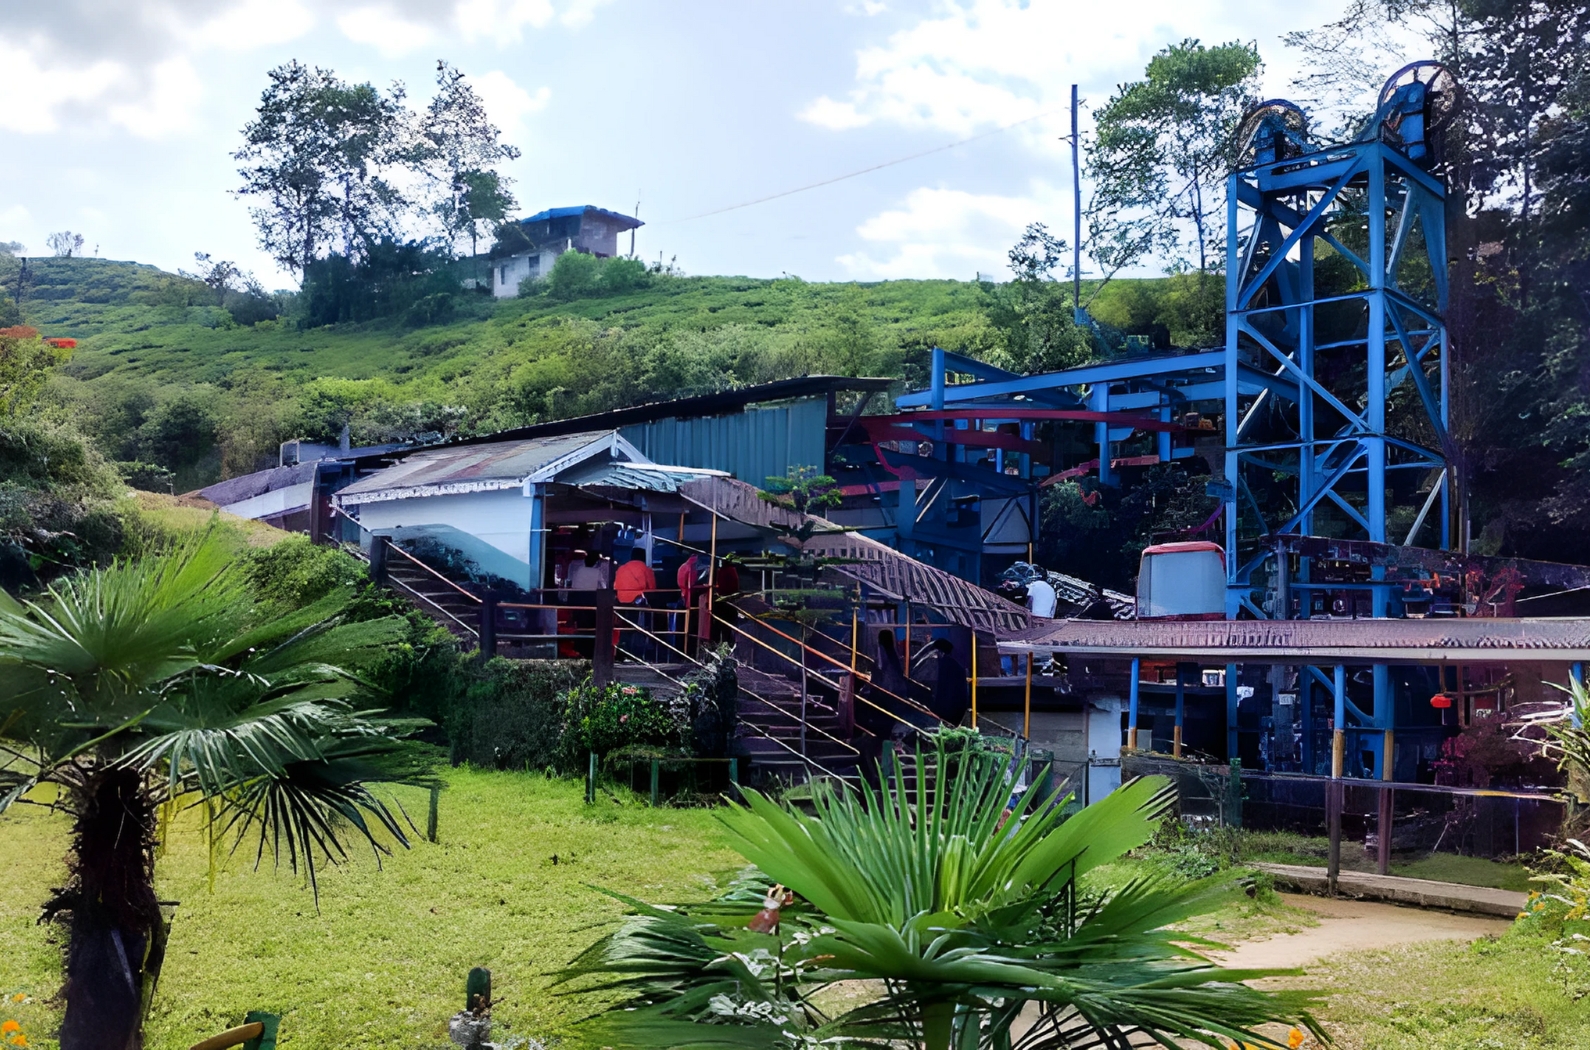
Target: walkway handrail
(433,603)
(466,593)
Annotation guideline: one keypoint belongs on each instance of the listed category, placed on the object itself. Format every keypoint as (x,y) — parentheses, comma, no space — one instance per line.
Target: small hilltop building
(548,234)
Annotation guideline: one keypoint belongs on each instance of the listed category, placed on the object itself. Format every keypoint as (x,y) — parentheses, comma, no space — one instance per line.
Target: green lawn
(1492,995)
(384,961)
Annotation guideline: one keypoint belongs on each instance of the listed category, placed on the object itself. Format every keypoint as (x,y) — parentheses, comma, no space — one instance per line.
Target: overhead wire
(861,171)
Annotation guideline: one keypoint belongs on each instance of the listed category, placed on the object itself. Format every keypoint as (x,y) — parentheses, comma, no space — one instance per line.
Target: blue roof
(628,221)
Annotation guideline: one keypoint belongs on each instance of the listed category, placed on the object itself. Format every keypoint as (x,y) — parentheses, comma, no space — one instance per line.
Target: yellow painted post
(974,679)
(855,635)
(1026,707)
(1175,743)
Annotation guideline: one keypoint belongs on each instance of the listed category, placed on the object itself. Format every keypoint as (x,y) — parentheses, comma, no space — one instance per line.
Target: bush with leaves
(616,716)
(961,916)
(509,714)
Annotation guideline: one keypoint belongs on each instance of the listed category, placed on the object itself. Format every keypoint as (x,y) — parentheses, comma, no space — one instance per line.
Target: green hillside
(164,376)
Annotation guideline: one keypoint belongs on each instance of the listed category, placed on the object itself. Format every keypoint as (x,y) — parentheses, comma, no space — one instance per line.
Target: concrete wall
(507,273)
(497,522)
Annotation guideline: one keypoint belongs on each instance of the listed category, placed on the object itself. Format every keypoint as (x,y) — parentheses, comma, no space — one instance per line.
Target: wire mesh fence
(1384,825)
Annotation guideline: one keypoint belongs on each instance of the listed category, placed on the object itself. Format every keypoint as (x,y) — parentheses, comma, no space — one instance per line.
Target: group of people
(701,590)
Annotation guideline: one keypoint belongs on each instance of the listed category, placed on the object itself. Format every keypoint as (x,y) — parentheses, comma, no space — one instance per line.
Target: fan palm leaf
(960,909)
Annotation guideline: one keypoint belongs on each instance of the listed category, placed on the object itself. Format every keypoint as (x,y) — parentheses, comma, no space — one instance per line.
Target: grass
(1501,994)
(1288,848)
(383,962)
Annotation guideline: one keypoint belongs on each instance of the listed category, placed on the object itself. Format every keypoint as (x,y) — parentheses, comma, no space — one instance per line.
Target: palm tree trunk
(115,916)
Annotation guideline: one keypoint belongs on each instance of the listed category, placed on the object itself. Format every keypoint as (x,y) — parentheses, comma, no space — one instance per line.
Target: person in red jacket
(689,588)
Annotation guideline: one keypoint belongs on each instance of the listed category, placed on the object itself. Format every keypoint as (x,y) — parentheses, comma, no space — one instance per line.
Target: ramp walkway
(1395,889)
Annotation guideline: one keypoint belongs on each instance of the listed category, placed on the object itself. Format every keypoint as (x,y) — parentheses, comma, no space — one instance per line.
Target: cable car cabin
(1182,581)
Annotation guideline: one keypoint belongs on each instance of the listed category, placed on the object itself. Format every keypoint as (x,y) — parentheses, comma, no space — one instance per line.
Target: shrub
(575,275)
(617,716)
(711,703)
(510,714)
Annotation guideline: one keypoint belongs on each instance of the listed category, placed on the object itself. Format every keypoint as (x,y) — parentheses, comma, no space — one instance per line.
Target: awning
(1446,640)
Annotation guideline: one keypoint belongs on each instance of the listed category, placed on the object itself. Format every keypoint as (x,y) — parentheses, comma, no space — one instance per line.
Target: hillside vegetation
(163,376)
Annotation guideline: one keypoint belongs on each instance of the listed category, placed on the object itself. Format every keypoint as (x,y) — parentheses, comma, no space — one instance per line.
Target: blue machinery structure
(1332,385)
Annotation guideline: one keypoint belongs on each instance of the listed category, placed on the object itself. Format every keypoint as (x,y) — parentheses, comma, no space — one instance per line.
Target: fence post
(1234,794)
(654,765)
(602,645)
(431,818)
(734,775)
(378,549)
(488,626)
(590,780)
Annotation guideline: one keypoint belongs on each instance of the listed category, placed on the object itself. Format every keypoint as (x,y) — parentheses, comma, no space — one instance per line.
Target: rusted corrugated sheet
(1410,640)
(888,572)
(472,468)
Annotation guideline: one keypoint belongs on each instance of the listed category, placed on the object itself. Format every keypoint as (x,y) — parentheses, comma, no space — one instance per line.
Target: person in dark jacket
(951,694)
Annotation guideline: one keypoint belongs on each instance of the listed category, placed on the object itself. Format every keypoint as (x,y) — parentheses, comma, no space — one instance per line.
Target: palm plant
(159,681)
(973,920)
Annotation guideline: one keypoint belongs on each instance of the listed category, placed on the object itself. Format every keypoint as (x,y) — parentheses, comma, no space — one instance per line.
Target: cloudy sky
(118,116)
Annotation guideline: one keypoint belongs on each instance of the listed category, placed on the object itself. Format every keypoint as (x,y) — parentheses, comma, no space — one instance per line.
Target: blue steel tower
(1367,355)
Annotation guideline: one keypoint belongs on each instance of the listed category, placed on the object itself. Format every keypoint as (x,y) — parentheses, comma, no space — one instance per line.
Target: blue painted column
(538,534)
(1576,678)
(1339,737)
(1099,401)
(1131,706)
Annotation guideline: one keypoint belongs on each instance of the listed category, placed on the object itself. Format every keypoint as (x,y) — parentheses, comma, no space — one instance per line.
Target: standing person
(1041,597)
(725,585)
(688,590)
(632,585)
(1098,607)
(586,577)
(951,694)
(872,713)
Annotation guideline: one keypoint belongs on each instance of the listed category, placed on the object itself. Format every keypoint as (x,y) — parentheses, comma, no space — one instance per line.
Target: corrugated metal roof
(235,490)
(882,568)
(1414,641)
(580,209)
(638,477)
(474,468)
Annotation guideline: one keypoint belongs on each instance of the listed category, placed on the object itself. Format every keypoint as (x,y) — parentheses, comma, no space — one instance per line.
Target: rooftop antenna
(632,229)
(1076,215)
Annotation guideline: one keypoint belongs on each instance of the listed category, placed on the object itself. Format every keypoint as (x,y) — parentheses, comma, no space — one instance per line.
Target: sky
(118,117)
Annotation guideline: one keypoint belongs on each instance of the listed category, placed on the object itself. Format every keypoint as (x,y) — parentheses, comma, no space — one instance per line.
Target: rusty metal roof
(481,468)
(885,570)
(1471,639)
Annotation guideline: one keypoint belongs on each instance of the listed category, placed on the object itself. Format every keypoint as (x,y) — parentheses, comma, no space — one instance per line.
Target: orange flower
(19,1040)
(1294,1039)
(9,1026)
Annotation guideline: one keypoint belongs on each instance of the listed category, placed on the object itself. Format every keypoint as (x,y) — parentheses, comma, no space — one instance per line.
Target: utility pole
(1076,214)
(632,229)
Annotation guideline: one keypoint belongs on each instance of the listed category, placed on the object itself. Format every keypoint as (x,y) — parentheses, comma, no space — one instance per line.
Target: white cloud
(32,95)
(168,106)
(938,232)
(384,30)
(250,24)
(981,63)
(866,8)
(504,21)
(506,101)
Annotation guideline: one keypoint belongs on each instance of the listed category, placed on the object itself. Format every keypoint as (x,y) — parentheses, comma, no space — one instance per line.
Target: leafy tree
(65,243)
(324,157)
(1034,311)
(575,275)
(389,278)
(1160,154)
(962,916)
(160,680)
(26,361)
(461,150)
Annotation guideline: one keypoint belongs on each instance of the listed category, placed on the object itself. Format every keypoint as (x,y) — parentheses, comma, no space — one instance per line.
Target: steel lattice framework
(1366,434)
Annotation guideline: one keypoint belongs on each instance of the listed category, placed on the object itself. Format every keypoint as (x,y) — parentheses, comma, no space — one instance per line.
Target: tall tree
(162,680)
(1160,151)
(462,150)
(324,158)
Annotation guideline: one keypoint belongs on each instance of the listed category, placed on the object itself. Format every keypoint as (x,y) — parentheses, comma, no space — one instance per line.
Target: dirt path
(1350,926)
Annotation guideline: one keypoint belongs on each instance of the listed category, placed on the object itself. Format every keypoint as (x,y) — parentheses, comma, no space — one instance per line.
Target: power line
(862,171)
